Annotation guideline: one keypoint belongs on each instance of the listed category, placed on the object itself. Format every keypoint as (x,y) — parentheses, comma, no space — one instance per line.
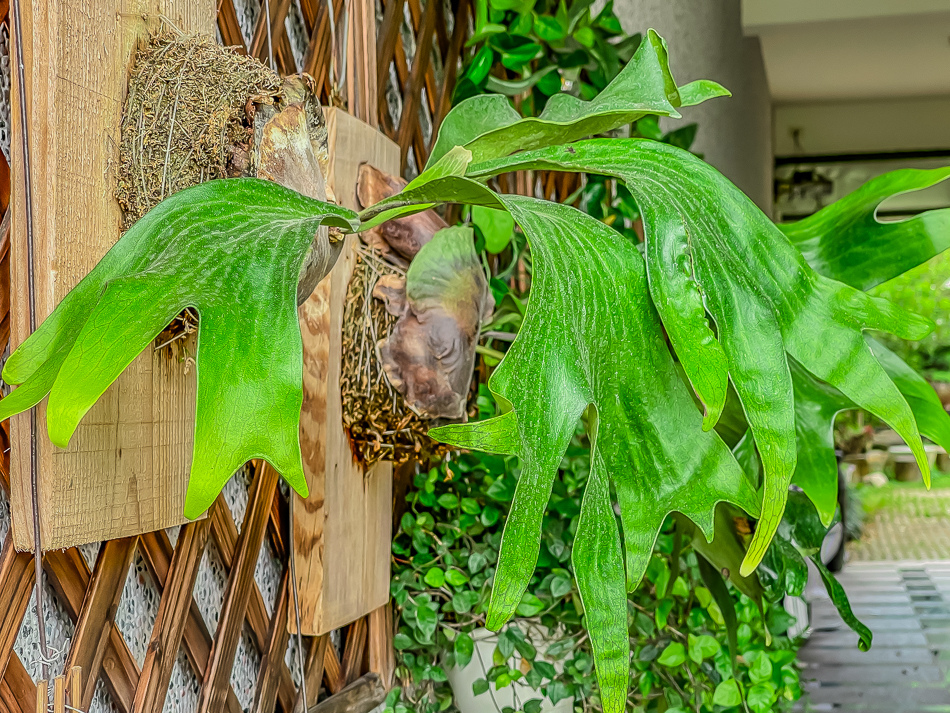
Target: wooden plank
(361,696)
(59,695)
(278,13)
(172,617)
(157,553)
(333,671)
(341,534)
(216,683)
(126,469)
(409,122)
(69,575)
(386,48)
(272,658)
(313,673)
(353,653)
(361,83)
(88,646)
(379,642)
(42,696)
(16,687)
(16,586)
(225,535)
(74,687)
(229,27)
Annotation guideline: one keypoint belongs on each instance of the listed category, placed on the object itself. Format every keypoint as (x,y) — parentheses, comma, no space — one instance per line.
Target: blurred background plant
(925,290)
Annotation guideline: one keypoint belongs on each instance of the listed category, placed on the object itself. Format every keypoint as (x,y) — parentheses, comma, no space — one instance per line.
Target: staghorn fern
(737,297)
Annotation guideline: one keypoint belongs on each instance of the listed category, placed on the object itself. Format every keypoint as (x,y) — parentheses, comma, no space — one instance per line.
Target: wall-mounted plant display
(720,307)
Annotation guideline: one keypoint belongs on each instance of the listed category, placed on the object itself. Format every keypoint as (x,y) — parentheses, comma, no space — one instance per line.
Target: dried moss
(379,423)
(186,111)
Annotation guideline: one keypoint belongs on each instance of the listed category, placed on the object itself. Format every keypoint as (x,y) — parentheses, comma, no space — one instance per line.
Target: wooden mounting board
(342,532)
(126,468)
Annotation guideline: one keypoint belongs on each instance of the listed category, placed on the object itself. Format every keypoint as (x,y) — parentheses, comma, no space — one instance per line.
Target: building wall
(706,42)
(863,126)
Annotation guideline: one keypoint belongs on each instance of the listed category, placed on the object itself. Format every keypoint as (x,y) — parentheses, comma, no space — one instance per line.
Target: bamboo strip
(89,643)
(172,617)
(238,593)
(272,659)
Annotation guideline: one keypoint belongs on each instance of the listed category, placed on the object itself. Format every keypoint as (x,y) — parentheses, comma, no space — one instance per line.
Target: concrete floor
(906,604)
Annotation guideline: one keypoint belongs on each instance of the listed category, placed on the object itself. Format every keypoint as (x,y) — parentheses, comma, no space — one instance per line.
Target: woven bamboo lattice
(184,652)
(419,46)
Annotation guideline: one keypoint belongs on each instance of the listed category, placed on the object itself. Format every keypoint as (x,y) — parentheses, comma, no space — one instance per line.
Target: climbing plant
(724,318)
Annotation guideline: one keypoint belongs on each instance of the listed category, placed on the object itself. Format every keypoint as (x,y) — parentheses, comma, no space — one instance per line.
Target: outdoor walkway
(907,606)
(898,581)
(914,525)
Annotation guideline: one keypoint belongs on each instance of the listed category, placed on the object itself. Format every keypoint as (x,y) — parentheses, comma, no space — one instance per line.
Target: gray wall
(706,42)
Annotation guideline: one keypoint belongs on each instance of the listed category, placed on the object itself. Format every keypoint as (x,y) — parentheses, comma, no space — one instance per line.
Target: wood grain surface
(342,531)
(126,469)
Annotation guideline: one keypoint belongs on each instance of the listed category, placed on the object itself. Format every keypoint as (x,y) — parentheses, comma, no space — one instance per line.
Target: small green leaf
(585,36)
(557,691)
(561,586)
(490,516)
(427,620)
(463,602)
(761,698)
(435,577)
(497,227)
(530,605)
(702,647)
(480,686)
(549,29)
(448,501)
(481,65)
(476,561)
(456,577)
(673,655)
(464,647)
(761,670)
(402,641)
(727,694)
(663,609)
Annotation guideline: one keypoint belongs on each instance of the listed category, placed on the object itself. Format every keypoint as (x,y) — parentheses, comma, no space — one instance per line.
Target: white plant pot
(514,694)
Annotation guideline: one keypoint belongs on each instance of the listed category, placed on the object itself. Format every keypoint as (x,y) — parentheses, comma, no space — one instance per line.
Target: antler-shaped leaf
(489,126)
(710,250)
(846,242)
(231,249)
(592,338)
(816,406)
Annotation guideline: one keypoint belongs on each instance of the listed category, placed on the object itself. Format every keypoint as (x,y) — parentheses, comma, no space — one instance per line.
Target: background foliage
(924,289)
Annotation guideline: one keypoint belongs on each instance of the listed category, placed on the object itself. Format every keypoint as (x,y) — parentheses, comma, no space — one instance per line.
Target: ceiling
(852,49)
